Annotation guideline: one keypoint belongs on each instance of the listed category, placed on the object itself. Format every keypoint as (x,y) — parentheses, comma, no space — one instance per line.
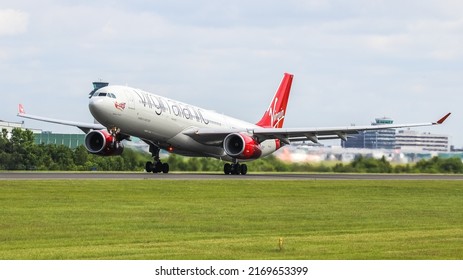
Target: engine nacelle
(241,146)
(102,143)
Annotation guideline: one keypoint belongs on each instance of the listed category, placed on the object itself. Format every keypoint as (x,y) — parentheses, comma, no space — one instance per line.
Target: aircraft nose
(92,104)
(95,105)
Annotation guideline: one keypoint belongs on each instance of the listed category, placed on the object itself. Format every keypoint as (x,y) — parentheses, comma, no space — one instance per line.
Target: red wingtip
(441,120)
(21,109)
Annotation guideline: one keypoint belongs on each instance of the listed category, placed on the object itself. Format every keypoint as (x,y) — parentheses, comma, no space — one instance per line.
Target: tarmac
(216,176)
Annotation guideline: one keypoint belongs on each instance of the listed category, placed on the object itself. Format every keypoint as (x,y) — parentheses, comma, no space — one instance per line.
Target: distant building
(70,140)
(10,125)
(378,139)
(46,137)
(414,141)
(405,140)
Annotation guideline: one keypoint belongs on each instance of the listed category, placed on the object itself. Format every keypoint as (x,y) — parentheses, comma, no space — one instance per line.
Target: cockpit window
(108,94)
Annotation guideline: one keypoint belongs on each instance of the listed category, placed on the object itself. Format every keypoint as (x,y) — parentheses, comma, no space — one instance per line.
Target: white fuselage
(160,121)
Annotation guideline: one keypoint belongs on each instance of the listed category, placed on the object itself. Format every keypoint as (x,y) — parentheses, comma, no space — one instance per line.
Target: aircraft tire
(227,168)
(236,169)
(165,168)
(243,169)
(149,166)
(157,167)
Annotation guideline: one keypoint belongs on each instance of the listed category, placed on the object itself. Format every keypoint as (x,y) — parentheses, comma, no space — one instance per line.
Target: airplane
(184,129)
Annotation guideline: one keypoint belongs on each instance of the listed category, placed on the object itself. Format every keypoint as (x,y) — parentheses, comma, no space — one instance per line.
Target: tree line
(19,152)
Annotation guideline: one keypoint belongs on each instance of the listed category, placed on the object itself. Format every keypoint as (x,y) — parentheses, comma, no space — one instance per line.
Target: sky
(353,61)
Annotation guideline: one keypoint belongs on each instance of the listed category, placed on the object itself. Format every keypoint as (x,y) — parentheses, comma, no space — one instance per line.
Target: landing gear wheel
(149,166)
(165,168)
(227,168)
(243,169)
(236,168)
(158,167)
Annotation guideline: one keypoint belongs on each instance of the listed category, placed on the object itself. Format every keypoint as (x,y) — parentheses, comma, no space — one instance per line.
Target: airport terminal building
(415,141)
(70,140)
(404,140)
(379,139)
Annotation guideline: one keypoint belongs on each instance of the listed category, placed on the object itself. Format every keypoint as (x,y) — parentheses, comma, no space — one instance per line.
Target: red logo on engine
(119,106)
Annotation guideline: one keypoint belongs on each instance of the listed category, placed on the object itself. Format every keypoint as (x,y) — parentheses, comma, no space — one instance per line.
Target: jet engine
(241,146)
(102,143)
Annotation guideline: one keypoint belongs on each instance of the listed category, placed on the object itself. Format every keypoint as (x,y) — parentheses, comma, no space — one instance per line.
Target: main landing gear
(157,166)
(235,169)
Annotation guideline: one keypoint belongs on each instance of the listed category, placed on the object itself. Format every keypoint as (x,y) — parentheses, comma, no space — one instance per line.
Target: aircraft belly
(148,127)
(185,144)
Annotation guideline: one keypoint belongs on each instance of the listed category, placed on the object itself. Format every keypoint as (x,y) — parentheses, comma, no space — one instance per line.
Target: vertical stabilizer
(275,114)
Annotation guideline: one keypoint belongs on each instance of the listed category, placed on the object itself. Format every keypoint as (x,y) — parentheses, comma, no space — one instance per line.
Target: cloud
(13,22)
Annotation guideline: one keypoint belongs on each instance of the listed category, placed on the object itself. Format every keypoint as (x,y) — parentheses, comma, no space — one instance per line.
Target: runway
(215,176)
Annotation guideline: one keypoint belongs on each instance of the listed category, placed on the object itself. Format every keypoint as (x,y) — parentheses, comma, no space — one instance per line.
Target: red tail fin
(275,114)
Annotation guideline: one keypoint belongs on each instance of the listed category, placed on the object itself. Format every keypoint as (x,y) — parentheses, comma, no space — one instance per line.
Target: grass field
(235,219)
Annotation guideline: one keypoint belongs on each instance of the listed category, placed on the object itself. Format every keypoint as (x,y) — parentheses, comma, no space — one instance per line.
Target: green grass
(234,219)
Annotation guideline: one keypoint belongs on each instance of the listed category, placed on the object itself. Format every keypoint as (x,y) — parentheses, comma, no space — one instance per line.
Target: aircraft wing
(85,127)
(288,135)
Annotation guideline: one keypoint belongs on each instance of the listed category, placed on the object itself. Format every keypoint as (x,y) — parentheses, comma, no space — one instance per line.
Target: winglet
(21,110)
(442,120)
